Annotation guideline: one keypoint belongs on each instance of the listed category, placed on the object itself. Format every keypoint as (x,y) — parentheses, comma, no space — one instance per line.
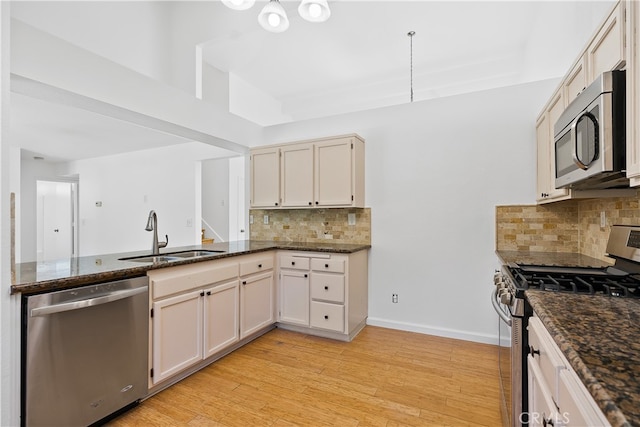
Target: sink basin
(194,254)
(171,256)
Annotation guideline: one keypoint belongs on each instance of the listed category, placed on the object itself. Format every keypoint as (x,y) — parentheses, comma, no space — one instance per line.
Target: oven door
(509,363)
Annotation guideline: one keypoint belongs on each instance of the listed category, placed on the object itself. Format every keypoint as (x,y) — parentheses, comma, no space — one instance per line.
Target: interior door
(55,211)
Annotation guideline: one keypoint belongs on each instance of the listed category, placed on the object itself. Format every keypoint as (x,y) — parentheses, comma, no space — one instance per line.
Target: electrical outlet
(189,222)
(394,298)
(265,219)
(603,219)
(250,219)
(328,236)
(351,219)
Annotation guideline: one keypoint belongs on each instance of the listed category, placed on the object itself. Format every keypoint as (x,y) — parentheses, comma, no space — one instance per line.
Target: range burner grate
(626,286)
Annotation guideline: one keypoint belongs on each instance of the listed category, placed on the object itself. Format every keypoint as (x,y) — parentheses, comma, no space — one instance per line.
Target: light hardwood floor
(383,378)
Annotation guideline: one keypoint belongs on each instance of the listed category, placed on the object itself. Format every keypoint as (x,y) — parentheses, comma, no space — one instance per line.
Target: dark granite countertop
(569,259)
(36,277)
(600,337)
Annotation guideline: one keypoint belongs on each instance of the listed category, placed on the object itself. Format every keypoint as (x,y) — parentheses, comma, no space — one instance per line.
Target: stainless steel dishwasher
(84,353)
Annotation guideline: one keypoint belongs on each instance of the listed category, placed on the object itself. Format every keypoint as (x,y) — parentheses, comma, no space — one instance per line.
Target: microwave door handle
(574,138)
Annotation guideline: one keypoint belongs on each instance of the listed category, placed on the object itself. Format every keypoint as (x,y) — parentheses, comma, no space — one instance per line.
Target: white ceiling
(359,59)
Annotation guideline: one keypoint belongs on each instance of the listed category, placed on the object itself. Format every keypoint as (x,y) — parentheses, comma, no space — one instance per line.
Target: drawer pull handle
(326,266)
(326,288)
(326,317)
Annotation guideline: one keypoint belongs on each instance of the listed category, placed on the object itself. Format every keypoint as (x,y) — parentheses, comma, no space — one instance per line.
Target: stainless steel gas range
(560,273)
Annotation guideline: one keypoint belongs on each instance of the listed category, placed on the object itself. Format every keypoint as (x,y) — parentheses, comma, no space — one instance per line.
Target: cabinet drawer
(295,263)
(327,316)
(550,362)
(256,265)
(331,265)
(328,287)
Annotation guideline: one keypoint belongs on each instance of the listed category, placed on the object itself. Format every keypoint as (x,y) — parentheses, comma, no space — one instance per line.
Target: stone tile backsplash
(568,226)
(312,225)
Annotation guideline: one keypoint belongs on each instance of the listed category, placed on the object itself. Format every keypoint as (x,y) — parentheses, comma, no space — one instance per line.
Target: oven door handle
(496,306)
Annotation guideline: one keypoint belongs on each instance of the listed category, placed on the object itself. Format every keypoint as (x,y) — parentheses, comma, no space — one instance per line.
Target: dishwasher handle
(496,306)
(90,302)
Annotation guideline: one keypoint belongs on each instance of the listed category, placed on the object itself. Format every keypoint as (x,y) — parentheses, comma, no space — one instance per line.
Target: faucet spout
(152,225)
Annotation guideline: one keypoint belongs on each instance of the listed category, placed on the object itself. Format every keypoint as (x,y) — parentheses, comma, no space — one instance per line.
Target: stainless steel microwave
(589,137)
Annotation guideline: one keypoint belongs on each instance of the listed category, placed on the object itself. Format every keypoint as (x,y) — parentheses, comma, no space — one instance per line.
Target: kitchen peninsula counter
(599,337)
(36,277)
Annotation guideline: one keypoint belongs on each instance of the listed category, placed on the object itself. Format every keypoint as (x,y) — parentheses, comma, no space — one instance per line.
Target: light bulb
(315,10)
(274,19)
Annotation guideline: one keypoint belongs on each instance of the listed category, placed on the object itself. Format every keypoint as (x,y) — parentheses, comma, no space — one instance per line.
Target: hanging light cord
(411,34)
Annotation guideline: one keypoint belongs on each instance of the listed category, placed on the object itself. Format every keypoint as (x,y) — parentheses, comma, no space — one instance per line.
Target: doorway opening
(56,219)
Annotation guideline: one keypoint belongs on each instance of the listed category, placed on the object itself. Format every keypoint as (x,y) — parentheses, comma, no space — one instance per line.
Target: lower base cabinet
(200,310)
(556,395)
(323,294)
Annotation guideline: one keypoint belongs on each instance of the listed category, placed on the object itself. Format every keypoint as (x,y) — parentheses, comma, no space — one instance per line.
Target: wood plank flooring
(384,377)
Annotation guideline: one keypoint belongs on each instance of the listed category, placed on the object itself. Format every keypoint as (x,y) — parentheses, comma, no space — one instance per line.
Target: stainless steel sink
(171,256)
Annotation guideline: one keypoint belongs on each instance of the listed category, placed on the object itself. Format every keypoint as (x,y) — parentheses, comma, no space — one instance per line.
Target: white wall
(129,186)
(215,197)
(435,170)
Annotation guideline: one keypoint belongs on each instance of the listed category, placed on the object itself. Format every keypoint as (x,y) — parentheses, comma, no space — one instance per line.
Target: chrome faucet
(152,225)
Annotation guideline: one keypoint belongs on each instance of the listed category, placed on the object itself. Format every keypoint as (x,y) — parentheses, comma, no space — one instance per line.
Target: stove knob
(506,298)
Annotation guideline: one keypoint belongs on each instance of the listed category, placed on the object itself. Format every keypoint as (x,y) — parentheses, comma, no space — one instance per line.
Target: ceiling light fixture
(314,10)
(411,34)
(239,4)
(273,17)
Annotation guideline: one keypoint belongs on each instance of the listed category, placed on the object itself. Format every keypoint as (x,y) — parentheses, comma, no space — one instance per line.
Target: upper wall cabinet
(633,95)
(325,173)
(607,50)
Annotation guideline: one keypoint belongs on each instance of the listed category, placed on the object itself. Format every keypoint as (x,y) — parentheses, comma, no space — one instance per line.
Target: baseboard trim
(429,330)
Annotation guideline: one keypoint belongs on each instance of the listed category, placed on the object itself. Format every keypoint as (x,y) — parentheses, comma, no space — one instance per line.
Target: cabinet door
(221,328)
(256,303)
(542,409)
(606,52)
(334,173)
(294,297)
(633,95)
(576,81)
(296,165)
(577,406)
(542,149)
(265,178)
(555,109)
(177,334)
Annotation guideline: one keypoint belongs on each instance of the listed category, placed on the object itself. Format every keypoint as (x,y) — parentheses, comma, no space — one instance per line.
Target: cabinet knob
(326,288)
(259,265)
(533,351)
(326,317)
(208,292)
(326,266)
(244,282)
(306,275)
(310,203)
(546,421)
(276,203)
(317,203)
(202,293)
(293,263)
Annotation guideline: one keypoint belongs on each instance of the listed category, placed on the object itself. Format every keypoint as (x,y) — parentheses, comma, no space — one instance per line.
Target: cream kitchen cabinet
(257,307)
(556,394)
(633,93)
(190,318)
(265,177)
(327,172)
(546,189)
(323,294)
(606,51)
